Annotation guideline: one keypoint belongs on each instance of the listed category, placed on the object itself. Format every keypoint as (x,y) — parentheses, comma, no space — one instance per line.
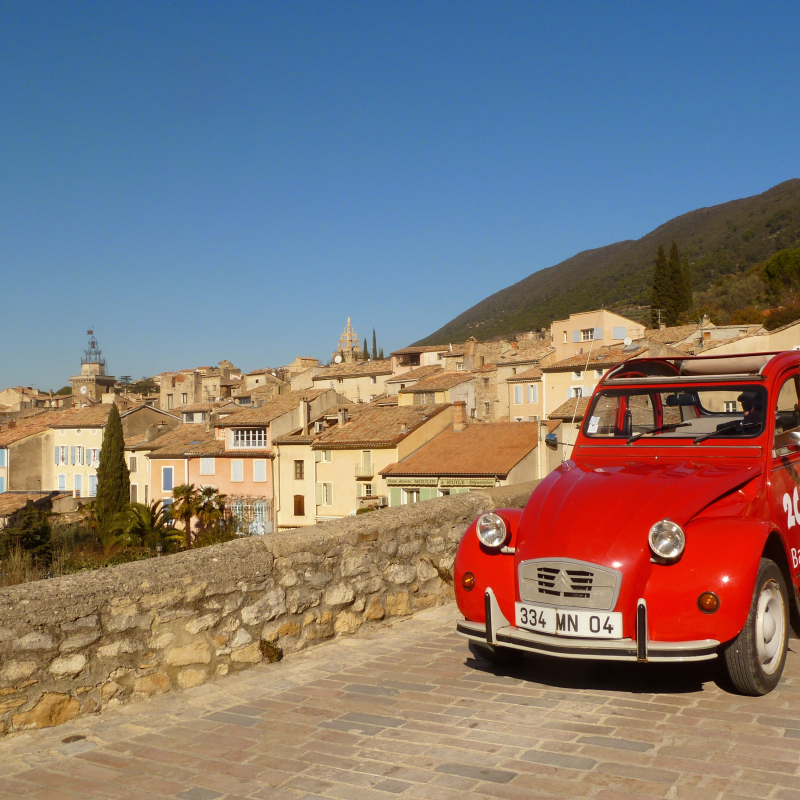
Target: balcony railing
(364,472)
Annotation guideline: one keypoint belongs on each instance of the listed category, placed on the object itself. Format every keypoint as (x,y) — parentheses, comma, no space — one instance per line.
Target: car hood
(603,514)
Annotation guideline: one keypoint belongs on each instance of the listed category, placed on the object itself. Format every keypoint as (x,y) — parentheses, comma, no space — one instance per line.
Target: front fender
(722,556)
(490,568)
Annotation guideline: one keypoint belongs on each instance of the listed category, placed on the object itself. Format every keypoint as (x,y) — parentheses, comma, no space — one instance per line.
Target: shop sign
(467,482)
(412,481)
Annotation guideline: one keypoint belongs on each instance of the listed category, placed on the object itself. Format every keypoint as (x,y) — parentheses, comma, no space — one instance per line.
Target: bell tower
(92,383)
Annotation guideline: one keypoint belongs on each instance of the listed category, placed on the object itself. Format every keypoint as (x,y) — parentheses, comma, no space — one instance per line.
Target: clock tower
(92,383)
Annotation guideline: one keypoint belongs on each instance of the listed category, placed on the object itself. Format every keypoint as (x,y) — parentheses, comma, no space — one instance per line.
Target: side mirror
(793,442)
(551,440)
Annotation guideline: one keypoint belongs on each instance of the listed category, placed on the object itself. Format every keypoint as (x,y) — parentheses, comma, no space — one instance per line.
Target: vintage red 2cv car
(671,534)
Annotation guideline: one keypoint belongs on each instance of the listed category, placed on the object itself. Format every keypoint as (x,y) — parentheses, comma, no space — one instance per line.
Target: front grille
(568,583)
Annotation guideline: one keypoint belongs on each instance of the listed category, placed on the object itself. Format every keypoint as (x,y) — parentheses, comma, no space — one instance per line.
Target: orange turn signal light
(708,602)
(468,581)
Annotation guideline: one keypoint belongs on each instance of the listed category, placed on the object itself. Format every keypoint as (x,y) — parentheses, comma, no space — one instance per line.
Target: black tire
(492,653)
(744,657)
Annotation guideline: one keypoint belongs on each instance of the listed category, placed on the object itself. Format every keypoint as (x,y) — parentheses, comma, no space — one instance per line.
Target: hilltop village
(307,442)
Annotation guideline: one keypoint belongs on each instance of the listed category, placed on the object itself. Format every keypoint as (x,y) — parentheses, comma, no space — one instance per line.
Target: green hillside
(723,240)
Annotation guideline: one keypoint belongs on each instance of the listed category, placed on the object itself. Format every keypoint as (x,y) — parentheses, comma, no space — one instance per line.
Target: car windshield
(696,412)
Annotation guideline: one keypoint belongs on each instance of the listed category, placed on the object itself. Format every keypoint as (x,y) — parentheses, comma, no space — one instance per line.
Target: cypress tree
(658,297)
(380,354)
(113,477)
(365,352)
(374,346)
(687,283)
(676,296)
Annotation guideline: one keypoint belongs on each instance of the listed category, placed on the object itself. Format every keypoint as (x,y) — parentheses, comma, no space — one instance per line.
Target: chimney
(209,421)
(342,416)
(459,415)
(304,417)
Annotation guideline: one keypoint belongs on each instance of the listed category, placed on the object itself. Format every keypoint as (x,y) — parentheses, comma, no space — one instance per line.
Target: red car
(672,534)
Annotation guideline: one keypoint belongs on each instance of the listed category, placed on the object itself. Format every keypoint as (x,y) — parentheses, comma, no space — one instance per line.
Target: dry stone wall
(78,644)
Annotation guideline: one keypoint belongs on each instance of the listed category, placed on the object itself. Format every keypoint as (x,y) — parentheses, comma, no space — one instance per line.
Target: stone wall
(78,644)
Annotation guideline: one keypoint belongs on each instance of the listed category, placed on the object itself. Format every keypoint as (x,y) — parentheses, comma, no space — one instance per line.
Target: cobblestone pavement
(408,712)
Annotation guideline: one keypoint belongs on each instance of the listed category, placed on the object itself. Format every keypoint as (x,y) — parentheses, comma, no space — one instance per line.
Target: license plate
(569,621)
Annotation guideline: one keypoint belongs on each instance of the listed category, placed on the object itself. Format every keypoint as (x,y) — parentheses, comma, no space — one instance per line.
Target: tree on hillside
(185,508)
(113,477)
(782,272)
(659,296)
(374,346)
(64,390)
(676,293)
(687,283)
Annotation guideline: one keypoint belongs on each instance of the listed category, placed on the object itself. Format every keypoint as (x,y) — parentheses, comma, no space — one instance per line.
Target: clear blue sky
(199,181)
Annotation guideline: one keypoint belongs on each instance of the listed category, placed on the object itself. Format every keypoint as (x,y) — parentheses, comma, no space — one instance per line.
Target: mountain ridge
(722,240)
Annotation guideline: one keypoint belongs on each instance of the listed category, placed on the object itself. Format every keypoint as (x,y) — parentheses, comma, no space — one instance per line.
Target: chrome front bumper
(499,631)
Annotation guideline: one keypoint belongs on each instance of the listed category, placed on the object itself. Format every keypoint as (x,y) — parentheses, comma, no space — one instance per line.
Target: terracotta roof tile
(353,369)
(493,448)
(532,354)
(599,359)
(672,334)
(272,408)
(422,348)
(440,382)
(415,374)
(11,501)
(378,426)
(565,411)
(532,374)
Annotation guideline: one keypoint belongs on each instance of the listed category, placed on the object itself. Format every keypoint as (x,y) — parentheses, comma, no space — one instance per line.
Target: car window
(694,411)
(787,412)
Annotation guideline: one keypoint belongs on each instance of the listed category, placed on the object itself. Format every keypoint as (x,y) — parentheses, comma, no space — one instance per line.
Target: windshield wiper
(659,429)
(728,427)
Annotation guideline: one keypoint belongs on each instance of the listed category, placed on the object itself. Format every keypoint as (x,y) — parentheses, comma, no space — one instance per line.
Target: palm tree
(210,506)
(151,525)
(185,508)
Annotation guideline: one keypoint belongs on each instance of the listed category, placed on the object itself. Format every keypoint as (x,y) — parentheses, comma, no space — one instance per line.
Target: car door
(785,477)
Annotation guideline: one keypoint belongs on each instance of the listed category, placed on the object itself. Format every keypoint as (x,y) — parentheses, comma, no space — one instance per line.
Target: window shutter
(318,498)
(535,393)
(619,332)
(427,493)
(318,456)
(330,494)
(576,336)
(56,454)
(80,454)
(394,499)
(72,455)
(598,333)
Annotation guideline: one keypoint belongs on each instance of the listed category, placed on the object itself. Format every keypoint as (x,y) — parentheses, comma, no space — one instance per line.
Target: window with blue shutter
(2,458)
(72,455)
(93,486)
(619,332)
(166,479)
(62,482)
(2,484)
(598,333)
(78,484)
(576,336)
(56,454)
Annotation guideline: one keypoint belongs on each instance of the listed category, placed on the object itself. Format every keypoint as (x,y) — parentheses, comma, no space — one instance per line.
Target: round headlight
(667,540)
(491,530)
